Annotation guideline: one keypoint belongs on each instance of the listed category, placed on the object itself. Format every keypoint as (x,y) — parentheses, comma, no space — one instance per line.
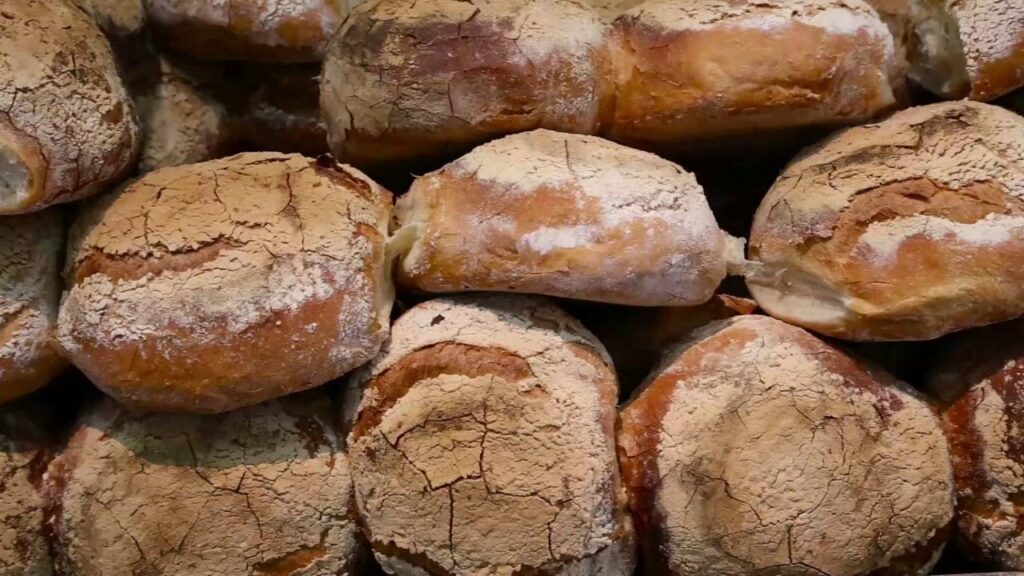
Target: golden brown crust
(67,126)
(685,75)
(409,79)
(692,447)
(217,285)
(265,490)
(490,420)
(261,30)
(898,230)
(25,449)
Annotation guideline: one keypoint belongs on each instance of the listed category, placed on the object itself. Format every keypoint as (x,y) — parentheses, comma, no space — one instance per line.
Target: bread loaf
(260,30)
(984,429)
(409,79)
(758,449)
(484,444)
(564,215)
(265,490)
(69,129)
(24,452)
(902,230)
(712,73)
(212,286)
(30,249)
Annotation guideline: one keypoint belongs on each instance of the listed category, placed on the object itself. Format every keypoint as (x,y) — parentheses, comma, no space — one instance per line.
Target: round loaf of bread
(260,30)
(484,444)
(211,286)
(711,72)
(265,490)
(901,230)
(30,250)
(758,449)
(418,79)
(985,427)
(565,215)
(69,129)
(24,452)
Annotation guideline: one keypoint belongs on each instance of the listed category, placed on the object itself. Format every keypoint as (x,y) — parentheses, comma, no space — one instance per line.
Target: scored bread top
(934,189)
(563,215)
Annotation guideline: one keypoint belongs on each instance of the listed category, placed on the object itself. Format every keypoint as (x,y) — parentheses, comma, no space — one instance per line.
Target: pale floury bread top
(69,129)
(214,285)
(903,230)
(485,444)
(563,215)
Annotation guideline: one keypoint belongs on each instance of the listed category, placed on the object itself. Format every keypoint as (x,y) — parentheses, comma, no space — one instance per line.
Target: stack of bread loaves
(531,360)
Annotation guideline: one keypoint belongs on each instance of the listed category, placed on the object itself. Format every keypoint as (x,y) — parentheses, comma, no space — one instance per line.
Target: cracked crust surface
(992,33)
(207,287)
(484,445)
(899,230)
(701,71)
(261,30)
(617,224)
(30,249)
(264,491)
(406,79)
(985,426)
(66,122)
(758,449)
(24,451)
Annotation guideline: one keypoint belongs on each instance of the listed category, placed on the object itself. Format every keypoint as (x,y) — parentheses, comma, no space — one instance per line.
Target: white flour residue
(884,239)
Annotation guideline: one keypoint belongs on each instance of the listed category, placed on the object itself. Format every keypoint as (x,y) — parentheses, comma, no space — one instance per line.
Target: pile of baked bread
(511,287)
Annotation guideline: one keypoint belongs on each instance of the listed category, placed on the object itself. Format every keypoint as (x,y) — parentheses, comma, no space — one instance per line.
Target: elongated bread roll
(758,449)
(413,79)
(207,287)
(484,444)
(902,230)
(564,215)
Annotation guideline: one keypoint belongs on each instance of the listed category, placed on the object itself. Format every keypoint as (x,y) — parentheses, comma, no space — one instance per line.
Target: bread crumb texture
(30,248)
(272,30)
(484,445)
(264,491)
(758,449)
(412,70)
(984,427)
(617,224)
(935,189)
(24,550)
(214,285)
(66,122)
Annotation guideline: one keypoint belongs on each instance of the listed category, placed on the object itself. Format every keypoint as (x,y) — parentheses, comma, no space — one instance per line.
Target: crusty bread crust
(261,30)
(757,448)
(490,420)
(25,449)
(408,79)
(68,129)
(899,230)
(564,215)
(212,286)
(263,490)
(30,250)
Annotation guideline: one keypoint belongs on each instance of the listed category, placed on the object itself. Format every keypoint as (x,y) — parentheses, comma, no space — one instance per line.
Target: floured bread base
(758,449)
(24,549)
(899,230)
(68,128)
(408,80)
(484,445)
(30,250)
(265,490)
(564,215)
(709,73)
(207,287)
(987,442)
